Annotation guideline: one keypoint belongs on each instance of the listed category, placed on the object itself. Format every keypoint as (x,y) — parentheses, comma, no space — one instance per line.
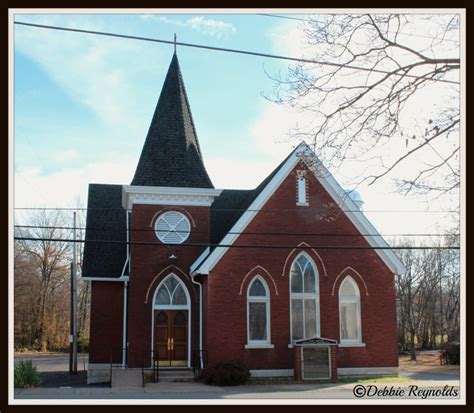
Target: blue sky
(103,91)
(83,104)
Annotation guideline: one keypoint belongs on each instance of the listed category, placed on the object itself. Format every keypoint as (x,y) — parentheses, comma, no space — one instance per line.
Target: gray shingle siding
(106,221)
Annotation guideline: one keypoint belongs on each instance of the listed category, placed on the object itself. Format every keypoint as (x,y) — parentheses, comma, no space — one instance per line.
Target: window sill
(258,346)
(302,204)
(351,345)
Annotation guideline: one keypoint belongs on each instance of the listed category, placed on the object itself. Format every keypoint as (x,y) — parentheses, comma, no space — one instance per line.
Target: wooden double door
(171,337)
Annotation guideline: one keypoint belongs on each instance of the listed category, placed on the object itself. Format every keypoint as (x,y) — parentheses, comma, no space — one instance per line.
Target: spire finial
(175,42)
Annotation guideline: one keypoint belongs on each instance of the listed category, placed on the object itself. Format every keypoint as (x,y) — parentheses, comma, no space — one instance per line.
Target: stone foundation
(98,373)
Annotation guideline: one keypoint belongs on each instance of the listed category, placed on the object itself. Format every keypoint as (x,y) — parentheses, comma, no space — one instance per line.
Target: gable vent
(172,227)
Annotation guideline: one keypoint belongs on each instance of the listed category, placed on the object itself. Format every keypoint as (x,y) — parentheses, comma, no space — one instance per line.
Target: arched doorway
(171,335)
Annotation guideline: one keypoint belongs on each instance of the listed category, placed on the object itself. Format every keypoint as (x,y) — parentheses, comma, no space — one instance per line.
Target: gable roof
(171,155)
(258,197)
(106,221)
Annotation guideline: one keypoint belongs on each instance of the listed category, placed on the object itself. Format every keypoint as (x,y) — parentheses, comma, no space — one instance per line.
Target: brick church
(189,275)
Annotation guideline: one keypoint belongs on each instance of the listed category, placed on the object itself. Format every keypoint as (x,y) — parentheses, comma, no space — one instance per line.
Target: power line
(388,31)
(235,233)
(260,246)
(331,209)
(221,49)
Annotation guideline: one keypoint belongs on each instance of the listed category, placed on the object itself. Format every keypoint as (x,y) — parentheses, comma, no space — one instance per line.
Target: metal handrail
(152,356)
(147,360)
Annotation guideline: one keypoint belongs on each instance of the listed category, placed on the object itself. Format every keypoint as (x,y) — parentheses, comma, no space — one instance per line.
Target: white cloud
(61,188)
(203,25)
(228,173)
(270,131)
(66,156)
(287,39)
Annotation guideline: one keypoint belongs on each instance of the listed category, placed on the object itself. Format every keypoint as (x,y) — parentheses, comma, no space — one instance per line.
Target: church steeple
(171,155)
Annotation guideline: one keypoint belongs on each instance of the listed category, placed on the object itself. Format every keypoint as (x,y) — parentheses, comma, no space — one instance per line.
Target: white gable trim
(354,213)
(328,182)
(248,215)
(199,260)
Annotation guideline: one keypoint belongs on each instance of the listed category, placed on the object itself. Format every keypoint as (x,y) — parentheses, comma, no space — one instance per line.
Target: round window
(172,227)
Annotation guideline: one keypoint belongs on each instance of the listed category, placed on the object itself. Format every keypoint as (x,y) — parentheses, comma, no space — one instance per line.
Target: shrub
(450,353)
(227,373)
(26,374)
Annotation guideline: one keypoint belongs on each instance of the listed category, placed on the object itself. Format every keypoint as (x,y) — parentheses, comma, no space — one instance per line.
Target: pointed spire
(171,155)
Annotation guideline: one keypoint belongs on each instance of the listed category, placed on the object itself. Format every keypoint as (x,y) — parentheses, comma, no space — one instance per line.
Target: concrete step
(176,375)
(127,378)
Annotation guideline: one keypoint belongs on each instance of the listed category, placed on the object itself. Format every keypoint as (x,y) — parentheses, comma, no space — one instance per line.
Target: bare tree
(428,296)
(389,95)
(83,287)
(41,280)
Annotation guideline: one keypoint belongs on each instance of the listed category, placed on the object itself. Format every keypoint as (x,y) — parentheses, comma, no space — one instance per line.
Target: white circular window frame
(180,234)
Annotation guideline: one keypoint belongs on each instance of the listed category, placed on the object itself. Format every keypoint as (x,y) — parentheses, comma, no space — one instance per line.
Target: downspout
(124,339)
(200,319)
(125,294)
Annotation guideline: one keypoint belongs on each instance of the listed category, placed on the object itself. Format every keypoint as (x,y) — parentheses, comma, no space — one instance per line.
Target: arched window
(258,312)
(304,298)
(349,311)
(171,294)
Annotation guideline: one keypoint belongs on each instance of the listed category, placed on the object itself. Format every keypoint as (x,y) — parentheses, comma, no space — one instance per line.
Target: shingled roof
(171,155)
(106,221)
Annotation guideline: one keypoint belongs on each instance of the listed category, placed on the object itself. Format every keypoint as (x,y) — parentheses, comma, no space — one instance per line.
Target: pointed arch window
(349,312)
(258,312)
(171,294)
(304,298)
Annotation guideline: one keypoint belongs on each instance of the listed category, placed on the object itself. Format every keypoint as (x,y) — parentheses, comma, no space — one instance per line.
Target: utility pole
(73,336)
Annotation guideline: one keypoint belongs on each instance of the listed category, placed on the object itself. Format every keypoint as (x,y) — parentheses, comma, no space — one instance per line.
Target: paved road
(53,361)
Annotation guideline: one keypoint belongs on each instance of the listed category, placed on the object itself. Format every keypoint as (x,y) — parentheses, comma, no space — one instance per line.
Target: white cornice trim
(163,195)
(328,182)
(124,278)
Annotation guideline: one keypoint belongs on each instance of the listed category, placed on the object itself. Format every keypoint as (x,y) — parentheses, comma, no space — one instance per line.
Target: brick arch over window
(258,270)
(163,273)
(355,276)
(172,208)
(318,261)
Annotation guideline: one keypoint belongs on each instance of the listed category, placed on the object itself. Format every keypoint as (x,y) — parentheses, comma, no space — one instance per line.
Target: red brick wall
(106,321)
(226,324)
(147,262)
